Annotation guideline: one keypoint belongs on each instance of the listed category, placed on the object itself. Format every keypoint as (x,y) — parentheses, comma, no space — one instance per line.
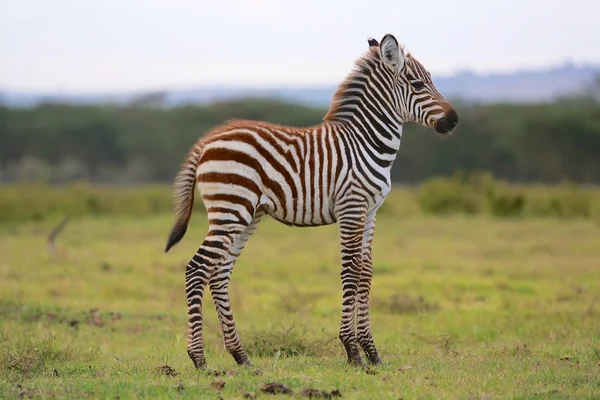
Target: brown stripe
(225,154)
(232,198)
(250,139)
(229,179)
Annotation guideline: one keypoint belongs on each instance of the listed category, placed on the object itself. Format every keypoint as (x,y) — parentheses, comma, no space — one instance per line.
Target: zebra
(337,171)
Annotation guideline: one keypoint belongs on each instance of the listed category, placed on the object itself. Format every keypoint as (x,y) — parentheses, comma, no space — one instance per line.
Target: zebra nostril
(452,117)
(448,122)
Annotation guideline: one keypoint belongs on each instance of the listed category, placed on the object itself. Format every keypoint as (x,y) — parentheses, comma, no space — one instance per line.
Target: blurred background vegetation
(506,160)
(546,143)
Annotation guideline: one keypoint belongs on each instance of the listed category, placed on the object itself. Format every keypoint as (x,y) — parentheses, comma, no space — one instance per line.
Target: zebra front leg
(363,324)
(219,288)
(351,233)
(197,274)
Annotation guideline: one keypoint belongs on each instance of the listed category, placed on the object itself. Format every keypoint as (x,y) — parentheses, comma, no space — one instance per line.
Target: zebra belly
(380,198)
(296,212)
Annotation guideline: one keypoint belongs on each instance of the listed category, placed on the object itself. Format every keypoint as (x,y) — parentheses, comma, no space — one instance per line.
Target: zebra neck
(373,118)
(379,149)
(364,105)
(380,138)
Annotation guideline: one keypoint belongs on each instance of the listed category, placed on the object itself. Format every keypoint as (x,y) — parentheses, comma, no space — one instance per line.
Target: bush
(504,200)
(481,193)
(447,196)
(35,202)
(565,201)
(506,205)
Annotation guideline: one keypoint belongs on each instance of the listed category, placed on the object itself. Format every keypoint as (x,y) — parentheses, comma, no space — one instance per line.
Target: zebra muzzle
(447,123)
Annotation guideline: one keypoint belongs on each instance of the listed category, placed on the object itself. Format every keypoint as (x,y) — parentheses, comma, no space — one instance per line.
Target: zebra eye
(418,85)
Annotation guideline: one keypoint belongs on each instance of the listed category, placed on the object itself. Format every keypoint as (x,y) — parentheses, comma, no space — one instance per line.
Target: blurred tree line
(140,143)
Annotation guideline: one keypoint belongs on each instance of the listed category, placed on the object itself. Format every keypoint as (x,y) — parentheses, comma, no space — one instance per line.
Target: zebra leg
(219,288)
(213,252)
(363,324)
(351,233)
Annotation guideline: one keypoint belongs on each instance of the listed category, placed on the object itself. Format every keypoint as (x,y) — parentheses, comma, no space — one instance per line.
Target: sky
(121,45)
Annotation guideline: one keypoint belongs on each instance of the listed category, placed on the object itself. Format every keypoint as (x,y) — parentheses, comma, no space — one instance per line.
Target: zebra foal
(335,172)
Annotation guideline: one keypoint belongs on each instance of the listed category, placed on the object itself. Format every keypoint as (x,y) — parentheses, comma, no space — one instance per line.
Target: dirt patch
(316,393)
(276,388)
(94,318)
(218,385)
(221,372)
(167,370)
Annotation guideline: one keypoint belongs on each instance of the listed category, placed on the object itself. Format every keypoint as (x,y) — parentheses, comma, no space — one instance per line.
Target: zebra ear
(372,42)
(391,52)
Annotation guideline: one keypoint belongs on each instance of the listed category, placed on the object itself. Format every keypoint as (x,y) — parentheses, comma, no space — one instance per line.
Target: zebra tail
(183,196)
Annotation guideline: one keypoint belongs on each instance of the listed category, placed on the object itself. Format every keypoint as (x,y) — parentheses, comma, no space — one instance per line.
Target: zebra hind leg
(213,252)
(219,288)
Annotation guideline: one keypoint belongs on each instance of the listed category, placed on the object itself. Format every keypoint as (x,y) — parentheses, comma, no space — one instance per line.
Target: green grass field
(462,308)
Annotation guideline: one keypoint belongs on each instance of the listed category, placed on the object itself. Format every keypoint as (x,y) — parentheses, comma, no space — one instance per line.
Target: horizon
(133,45)
(269,86)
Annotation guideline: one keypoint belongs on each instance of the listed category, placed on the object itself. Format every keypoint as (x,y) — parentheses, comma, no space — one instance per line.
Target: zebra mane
(347,90)
(362,67)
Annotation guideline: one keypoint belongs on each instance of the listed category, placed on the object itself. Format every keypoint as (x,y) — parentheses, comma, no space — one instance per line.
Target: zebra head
(413,92)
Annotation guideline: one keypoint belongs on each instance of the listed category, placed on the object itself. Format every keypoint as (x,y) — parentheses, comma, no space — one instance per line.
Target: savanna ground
(462,307)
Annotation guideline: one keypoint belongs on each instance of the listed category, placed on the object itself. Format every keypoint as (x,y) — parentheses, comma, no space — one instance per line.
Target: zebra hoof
(242,359)
(375,360)
(246,363)
(199,364)
(198,360)
(355,361)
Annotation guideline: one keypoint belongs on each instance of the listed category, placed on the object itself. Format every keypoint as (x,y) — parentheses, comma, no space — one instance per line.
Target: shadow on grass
(290,341)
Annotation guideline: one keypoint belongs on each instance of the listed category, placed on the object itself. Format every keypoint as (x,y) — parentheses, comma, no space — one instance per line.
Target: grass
(463,308)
